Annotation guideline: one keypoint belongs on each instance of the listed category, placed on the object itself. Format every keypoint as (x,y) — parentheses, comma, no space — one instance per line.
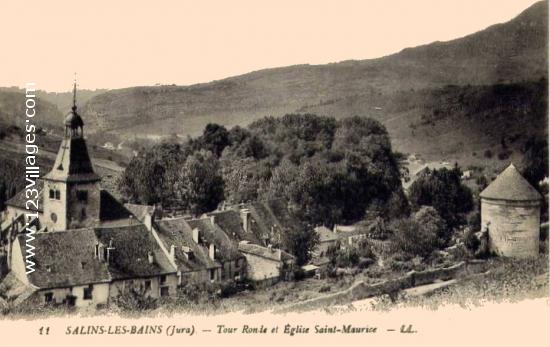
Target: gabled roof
(211,233)
(230,221)
(67,258)
(510,185)
(19,200)
(111,209)
(270,218)
(265,252)
(140,211)
(177,232)
(132,245)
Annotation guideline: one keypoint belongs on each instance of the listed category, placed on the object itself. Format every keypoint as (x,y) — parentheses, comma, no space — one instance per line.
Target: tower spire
(74,92)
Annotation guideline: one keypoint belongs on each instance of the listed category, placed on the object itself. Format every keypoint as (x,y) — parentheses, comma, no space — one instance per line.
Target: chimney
(212,251)
(173,253)
(196,235)
(150,257)
(245,218)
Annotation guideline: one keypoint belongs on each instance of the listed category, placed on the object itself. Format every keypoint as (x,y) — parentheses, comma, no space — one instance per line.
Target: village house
(90,248)
(327,240)
(266,265)
(90,266)
(349,235)
(264,222)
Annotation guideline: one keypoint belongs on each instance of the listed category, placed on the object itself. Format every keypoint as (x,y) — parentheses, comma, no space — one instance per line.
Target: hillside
(402,90)
(510,52)
(457,123)
(12,110)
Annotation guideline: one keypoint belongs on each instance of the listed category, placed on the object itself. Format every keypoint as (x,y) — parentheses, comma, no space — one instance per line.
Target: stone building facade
(510,211)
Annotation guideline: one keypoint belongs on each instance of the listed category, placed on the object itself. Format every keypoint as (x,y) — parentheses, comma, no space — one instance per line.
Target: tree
(535,161)
(214,138)
(419,234)
(150,177)
(300,242)
(443,190)
(199,185)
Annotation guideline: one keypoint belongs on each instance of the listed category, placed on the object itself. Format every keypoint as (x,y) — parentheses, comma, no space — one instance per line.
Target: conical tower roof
(510,185)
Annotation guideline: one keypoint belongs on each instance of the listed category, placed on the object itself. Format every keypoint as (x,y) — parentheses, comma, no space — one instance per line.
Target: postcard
(276,172)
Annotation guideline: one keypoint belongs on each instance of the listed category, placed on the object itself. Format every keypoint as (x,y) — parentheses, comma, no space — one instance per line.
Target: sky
(116,44)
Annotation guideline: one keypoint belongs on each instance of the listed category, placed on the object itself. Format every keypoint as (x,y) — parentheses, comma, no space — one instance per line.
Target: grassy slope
(510,52)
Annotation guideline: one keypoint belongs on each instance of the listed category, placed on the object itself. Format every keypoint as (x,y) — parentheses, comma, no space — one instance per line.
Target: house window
(83,213)
(52,194)
(48,297)
(163,279)
(164,291)
(212,274)
(82,195)
(147,285)
(57,194)
(88,292)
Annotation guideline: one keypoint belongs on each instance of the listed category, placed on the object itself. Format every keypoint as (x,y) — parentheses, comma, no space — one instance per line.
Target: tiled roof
(178,233)
(265,252)
(510,185)
(132,245)
(19,199)
(211,233)
(230,221)
(270,218)
(67,258)
(140,211)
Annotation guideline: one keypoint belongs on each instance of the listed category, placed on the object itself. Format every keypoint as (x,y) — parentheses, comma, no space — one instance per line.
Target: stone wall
(361,290)
(514,227)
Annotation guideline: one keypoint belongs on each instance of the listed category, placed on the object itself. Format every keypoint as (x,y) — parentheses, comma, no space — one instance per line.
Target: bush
(134,301)
(198,293)
(325,289)
(443,189)
(503,155)
(420,234)
(470,240)
(299,274)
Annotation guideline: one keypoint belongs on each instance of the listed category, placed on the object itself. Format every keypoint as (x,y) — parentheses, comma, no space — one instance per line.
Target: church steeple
(74,126)
(72,192)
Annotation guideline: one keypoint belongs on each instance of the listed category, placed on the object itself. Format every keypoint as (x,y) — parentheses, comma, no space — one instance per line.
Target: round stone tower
(510,210)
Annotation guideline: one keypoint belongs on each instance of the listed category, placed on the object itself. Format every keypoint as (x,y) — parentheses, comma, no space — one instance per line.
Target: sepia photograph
(274,172)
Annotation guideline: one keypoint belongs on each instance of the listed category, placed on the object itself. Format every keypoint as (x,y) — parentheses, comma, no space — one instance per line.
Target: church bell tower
(72,188)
